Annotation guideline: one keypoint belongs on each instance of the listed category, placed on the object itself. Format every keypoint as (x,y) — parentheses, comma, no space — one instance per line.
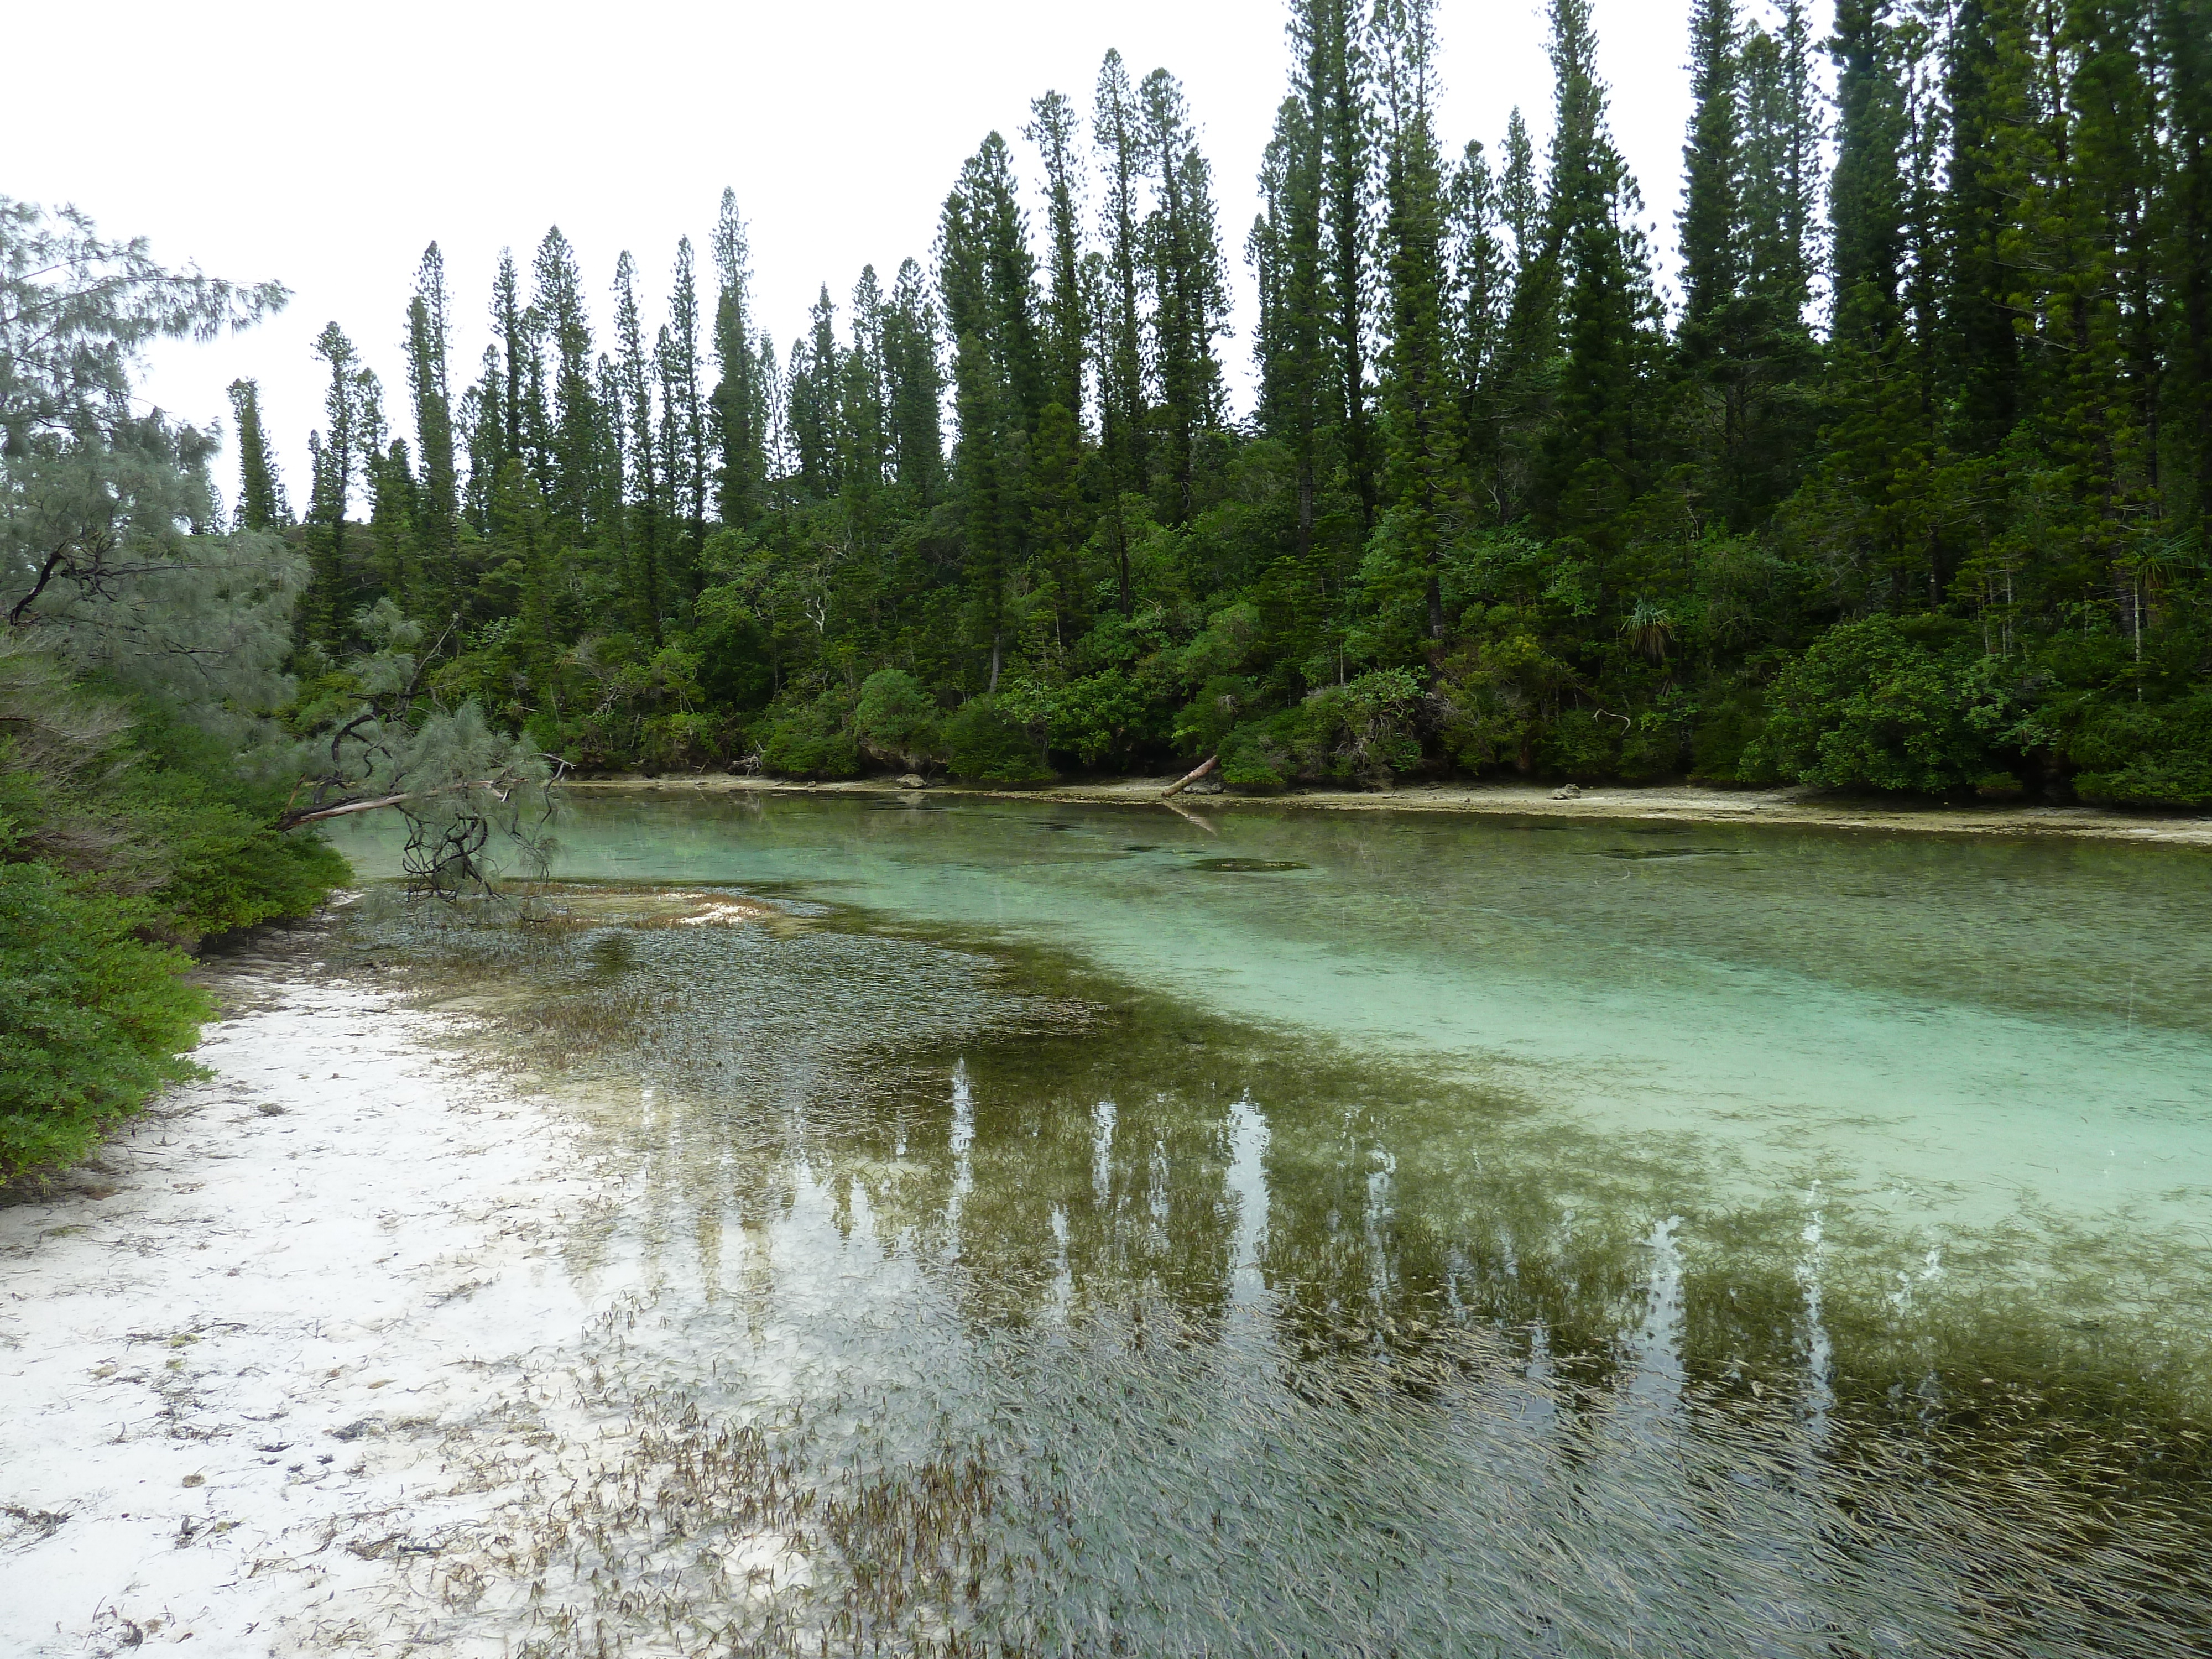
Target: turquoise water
(1967,1031)
(1584,1215)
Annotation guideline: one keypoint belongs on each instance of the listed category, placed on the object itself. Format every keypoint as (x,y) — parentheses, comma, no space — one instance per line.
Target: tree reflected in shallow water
(1012,1309)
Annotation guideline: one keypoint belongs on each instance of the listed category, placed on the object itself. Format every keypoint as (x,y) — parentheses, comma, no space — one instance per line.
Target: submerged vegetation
(1144,1314)
(1901,483)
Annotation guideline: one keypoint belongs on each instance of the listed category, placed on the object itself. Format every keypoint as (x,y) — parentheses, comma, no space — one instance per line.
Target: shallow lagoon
(1377,1234)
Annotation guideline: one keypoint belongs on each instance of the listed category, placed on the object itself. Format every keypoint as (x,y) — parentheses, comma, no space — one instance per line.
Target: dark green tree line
(1898,478)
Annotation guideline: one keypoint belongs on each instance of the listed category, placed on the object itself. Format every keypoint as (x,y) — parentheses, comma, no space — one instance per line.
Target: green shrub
(2137,754)
(809,740)
(684,740)
(1652,748)
(983,745)
(1298,745)
(109,858)
(1096,716)
(1868,706)
(1253,764)
(232,873)
(228,868)
(1488,696)
(168,817)
(1594,744)
(91,1020)
(896,722)
(1373,717)
(1724,752)
(1582,745)
(546,734)
(1211,715)
(1222,647)
(1337,734)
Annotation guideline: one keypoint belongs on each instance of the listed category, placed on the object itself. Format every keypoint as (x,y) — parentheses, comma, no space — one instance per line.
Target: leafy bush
(1868,706)
(91,1020)
(127,829)
(1489,696)
(231,873)
(161,813)
(896,722)
(809,740)
(1359,731)
(983,745)
(1253,760)
(1223,646)
(1591,744)
(1723,752)
(734,671)
(1658,745)
(1377,710)
(1093,716)
(212,829)
(2138,754)
(683,741)
(1212,714)
(1582,745)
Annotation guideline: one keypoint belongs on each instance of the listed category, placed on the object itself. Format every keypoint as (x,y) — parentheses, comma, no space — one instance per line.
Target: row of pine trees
(1904,485)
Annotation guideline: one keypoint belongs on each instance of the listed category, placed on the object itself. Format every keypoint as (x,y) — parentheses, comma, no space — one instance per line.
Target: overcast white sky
(325,145)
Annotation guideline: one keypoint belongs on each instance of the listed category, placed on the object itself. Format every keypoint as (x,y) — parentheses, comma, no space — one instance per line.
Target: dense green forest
(1902,485)
(1905,487)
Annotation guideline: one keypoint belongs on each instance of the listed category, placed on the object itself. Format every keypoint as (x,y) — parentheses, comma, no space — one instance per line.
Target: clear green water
(1395,1233)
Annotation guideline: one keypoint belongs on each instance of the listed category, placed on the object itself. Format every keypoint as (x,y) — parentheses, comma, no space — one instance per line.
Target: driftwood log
(1211,763)
(500,787)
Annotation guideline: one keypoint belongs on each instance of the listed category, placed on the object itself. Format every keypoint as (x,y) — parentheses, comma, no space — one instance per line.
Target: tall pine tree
(1124,414)
(436,495)
(737,403)
(1419,401)
(1189,301)
(579,445)
(685,437)
(337,451)
(1054,130)
(641,532)
(261,503)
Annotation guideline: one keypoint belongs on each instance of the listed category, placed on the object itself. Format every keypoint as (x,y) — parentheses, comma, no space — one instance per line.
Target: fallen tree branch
(1212,763)
(500,787)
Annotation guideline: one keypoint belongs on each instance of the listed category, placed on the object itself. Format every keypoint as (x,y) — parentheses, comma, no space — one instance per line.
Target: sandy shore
(1676,802)
(253,1353)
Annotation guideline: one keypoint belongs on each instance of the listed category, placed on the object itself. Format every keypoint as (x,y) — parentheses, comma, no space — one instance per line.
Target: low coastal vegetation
(126,837)
(1898,481)
(162,763)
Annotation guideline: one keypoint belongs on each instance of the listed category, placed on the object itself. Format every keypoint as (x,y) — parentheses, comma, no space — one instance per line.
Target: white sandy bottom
(254,1391)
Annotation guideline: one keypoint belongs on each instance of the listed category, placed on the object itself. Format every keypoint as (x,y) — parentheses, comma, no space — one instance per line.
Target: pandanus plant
(1649,629)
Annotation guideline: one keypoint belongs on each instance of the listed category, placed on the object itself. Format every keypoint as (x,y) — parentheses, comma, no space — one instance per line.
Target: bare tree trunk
(1211,763)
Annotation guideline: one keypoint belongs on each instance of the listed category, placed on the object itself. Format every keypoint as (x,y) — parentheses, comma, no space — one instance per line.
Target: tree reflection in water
(1054,1317)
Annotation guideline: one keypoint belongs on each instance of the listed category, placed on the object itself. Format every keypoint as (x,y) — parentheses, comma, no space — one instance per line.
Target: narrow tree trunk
(1212,763)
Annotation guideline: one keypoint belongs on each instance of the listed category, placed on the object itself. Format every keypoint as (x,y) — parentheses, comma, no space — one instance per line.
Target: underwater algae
(1033,1311)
